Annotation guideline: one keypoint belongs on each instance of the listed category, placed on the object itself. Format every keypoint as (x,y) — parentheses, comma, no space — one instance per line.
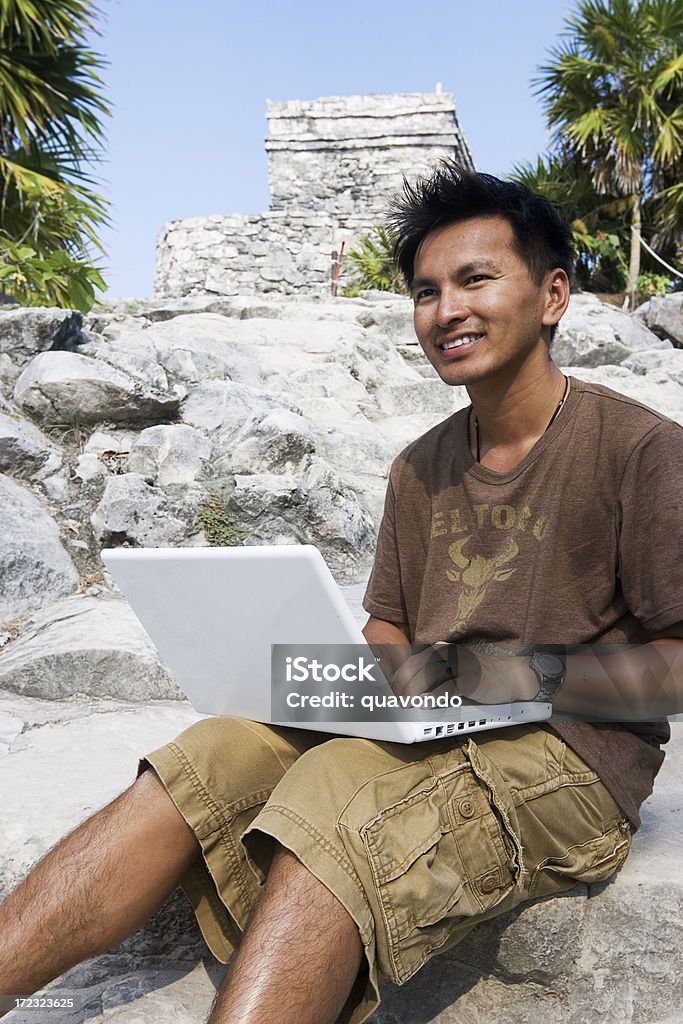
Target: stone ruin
(332,163)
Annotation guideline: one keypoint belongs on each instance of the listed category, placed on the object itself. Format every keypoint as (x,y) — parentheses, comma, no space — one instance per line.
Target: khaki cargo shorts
(419,842)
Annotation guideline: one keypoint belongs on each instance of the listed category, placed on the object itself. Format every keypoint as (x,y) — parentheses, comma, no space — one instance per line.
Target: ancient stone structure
(331,164)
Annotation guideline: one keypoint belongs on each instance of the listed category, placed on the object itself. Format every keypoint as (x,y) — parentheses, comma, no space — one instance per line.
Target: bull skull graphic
(475,573)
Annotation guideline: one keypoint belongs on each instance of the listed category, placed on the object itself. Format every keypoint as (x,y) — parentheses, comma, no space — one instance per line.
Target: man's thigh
(422,842)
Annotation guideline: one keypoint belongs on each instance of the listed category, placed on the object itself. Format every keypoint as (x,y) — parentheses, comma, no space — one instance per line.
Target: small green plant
(653,284)
(373,264)
(215,521)
(71,433)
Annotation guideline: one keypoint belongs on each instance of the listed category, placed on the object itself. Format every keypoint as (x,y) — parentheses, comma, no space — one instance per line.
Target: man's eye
(423,293)
(476,278)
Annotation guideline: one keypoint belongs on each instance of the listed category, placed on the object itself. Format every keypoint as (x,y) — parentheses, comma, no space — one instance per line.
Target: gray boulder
(34,566)
(131,511)
(594,333)
(26,332)
(68,761)
(169,454)
(660,366)
(64,387)
(663,314)
(225,406)
(86,645)
(24,450)
(278,442)
(130,349)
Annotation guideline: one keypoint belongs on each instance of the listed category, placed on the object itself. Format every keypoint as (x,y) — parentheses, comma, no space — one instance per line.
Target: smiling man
(530,541)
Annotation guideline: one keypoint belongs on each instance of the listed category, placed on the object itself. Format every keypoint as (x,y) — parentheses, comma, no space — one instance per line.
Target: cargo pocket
(440,858)
(594,860)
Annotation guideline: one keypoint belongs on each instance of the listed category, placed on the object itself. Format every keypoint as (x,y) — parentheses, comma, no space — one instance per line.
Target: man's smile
(462,341)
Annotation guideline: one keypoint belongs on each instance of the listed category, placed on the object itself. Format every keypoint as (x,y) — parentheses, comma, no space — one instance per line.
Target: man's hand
(448,668)
(456,669)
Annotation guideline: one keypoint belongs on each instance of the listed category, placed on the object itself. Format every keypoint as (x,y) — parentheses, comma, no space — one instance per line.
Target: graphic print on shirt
(472,571)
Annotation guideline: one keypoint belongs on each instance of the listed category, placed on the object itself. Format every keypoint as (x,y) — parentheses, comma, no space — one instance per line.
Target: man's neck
(509,418)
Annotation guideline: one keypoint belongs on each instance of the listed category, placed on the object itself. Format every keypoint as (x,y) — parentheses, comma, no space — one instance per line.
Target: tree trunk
(634,261)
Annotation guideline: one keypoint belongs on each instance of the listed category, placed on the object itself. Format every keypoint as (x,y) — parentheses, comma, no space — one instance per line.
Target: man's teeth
(467,340)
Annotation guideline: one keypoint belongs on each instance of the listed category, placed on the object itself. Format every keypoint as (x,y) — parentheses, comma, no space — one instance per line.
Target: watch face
(549,665)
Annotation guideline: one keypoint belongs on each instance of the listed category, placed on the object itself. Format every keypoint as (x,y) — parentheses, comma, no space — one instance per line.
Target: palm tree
(373,263)
(613,96)
(596,218)
(51,111)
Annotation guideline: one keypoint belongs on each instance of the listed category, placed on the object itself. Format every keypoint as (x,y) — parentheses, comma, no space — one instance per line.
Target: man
(548,513)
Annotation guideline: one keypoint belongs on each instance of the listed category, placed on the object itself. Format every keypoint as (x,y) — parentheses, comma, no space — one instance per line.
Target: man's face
(478,313)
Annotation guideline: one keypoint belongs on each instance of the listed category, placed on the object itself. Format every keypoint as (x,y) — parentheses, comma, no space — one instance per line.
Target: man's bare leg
(95,888)
(299,956)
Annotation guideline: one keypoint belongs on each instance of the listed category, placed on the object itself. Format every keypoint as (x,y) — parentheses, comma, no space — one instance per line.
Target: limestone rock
(225,406)
(660,366)
(317,508)
(278,442)
(86,645)
(24,450)
(62,387)
(57,772)
(26,332)
(404,399)
(34,566)
(206,346)
(656,390)
(663,314)
(169,454)
(133,512)
(131,350)
(593,333)
(90,468)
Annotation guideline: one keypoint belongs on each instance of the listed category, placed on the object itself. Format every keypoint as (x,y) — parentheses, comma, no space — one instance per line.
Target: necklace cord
(552,419)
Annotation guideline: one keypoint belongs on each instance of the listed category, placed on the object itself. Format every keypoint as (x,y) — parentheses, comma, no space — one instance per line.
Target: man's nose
(451,307)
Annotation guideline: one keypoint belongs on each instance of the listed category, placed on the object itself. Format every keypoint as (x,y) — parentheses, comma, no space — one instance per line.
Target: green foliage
(613,97)
(55,279)
(51,111)
(217,524)
(653,284)
(373,264)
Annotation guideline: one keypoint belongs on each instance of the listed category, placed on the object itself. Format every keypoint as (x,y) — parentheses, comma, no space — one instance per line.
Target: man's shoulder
(622,417)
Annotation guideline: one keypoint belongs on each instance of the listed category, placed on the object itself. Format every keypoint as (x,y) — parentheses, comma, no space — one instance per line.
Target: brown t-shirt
(578,544)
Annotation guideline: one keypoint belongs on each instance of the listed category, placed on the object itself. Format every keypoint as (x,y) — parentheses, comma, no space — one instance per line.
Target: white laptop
(230,624)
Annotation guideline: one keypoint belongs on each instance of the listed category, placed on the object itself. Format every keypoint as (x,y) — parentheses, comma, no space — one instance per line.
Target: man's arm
(634,684)
(377,631)
(640,683)
(389,641)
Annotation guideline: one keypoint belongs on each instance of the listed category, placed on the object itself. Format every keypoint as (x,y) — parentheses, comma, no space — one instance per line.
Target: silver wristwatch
(550,669)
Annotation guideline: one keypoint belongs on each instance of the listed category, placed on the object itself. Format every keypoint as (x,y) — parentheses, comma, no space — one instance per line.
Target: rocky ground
(215,421)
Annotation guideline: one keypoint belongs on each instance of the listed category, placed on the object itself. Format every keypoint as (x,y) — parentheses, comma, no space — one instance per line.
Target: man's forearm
(635,684)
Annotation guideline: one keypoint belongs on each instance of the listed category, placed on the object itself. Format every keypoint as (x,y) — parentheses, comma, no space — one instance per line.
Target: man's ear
(557,296)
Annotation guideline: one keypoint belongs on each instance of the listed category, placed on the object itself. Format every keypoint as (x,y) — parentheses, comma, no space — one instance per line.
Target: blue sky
(188,82)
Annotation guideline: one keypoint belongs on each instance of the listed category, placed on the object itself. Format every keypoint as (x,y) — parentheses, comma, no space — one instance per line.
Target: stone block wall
(239,254)
(332,163)
(345,154)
